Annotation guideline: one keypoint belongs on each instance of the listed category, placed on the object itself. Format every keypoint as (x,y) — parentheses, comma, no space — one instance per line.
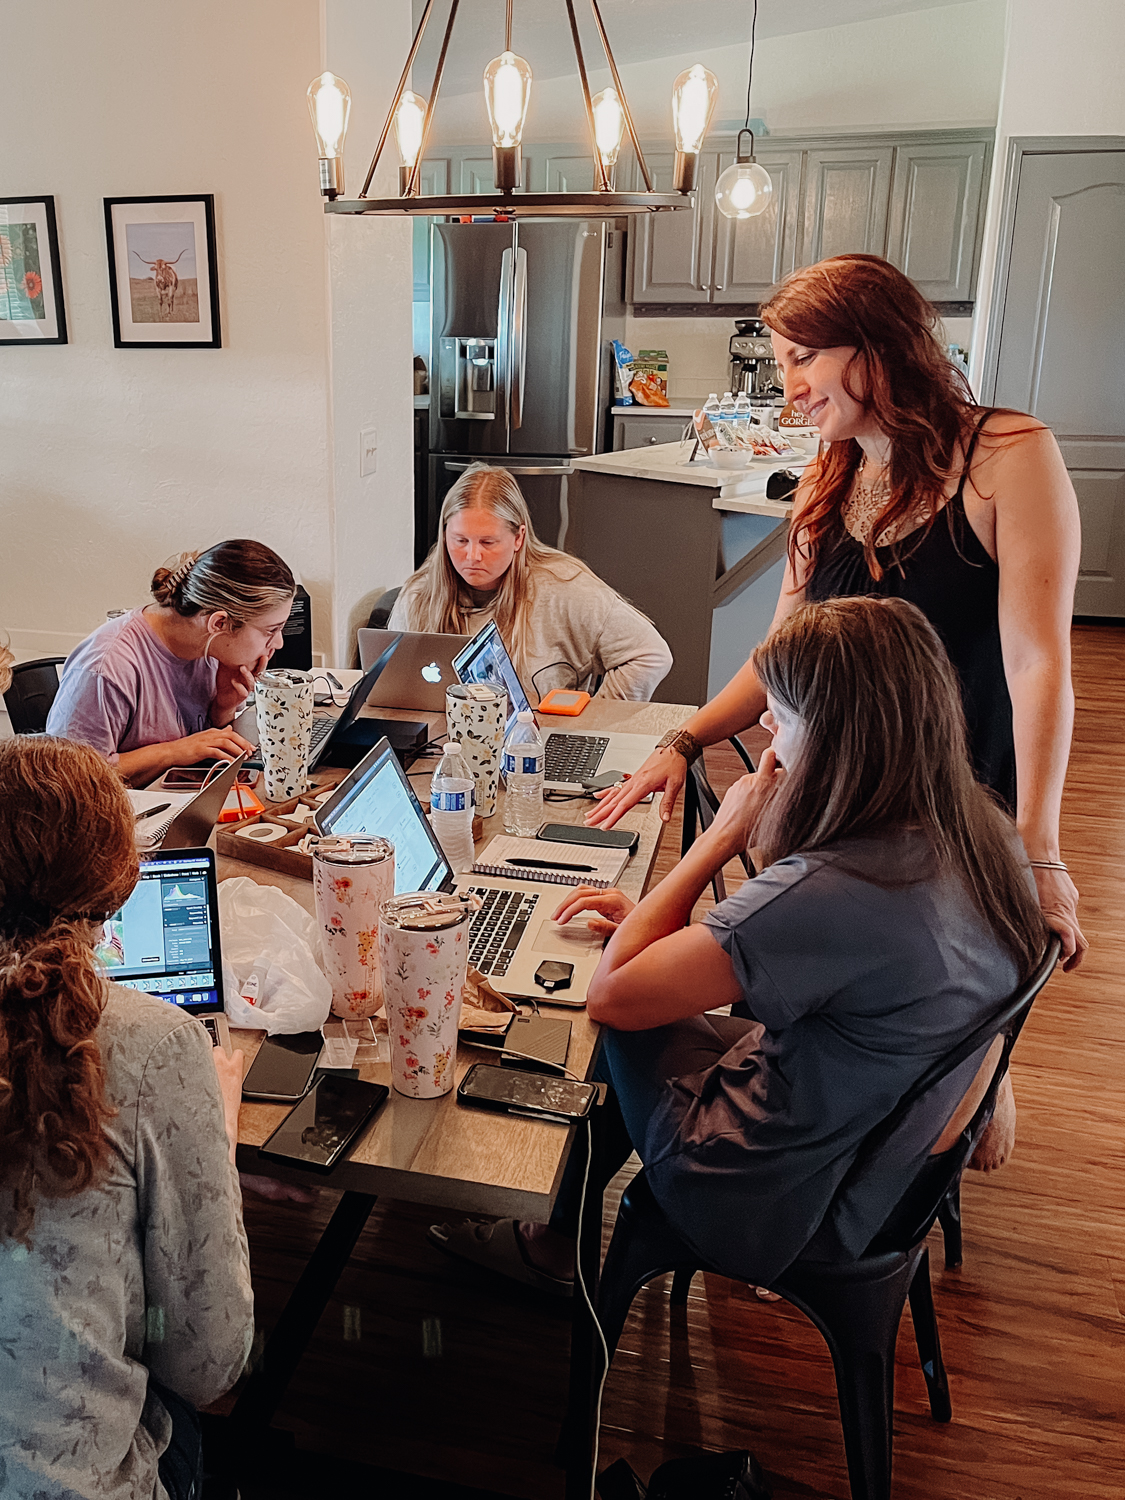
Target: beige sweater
(580,630)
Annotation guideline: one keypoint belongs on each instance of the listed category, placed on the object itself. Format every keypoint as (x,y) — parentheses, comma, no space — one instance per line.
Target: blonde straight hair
(436,597)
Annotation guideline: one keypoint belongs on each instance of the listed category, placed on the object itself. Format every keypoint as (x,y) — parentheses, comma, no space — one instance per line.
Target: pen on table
(550,864)
(339,686)
(150,812)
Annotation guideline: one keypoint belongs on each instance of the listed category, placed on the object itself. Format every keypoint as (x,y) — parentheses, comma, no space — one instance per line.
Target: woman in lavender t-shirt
(160,686)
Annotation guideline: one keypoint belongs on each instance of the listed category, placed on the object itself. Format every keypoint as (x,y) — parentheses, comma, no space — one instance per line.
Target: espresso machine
(752,366)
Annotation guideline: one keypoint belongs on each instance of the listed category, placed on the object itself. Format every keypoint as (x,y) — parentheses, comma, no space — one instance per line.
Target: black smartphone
(512,1092)
(602,838)
(194,778)
(318,1131)
(283,1068)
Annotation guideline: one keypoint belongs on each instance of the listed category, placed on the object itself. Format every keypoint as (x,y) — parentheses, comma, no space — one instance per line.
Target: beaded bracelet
(1046,864)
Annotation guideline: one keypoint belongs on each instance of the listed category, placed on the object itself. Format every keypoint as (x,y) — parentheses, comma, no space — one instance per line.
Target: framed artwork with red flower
(31,294)
(163,274)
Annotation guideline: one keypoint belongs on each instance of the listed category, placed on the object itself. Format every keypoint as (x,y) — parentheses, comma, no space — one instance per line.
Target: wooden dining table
(435,1152)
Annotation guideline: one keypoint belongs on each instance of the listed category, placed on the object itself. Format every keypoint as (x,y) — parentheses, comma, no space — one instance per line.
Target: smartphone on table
(513,1092)
(195,778)
(283,1067)
(318,1131)
(593,838)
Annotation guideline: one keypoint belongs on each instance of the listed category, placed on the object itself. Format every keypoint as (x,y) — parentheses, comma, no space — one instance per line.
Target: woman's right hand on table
(665,770)
(208,744)
(610,908)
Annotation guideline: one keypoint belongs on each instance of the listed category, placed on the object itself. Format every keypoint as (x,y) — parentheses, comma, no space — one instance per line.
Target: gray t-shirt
(858,987)
(122,689)
(149,1271)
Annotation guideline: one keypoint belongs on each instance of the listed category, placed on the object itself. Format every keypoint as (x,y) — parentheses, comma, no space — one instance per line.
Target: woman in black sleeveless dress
(917,492)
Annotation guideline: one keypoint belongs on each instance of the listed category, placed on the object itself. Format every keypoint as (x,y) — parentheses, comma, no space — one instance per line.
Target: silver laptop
(513,934)
(420,670)
(573,757)
(195,822)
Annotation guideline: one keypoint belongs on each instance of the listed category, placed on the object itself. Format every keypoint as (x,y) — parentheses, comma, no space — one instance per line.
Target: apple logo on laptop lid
(432,672)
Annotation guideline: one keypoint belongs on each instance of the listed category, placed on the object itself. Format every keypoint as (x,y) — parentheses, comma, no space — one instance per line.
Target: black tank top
(953,581)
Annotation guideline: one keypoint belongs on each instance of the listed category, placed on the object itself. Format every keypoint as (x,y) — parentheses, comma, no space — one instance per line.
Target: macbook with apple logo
(419,672)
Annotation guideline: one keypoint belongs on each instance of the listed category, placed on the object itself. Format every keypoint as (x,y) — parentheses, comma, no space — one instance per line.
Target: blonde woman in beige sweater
(562,625)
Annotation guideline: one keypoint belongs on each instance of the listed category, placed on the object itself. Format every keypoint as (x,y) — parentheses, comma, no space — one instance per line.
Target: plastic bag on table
(271,976)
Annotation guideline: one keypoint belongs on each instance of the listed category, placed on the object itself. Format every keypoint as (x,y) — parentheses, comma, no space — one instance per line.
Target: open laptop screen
(376,799)
(485,659)
(165,939)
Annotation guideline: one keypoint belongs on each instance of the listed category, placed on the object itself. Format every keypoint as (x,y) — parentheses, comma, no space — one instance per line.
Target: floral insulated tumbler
(284,701)
(423,951)
(352,877)
(476,715)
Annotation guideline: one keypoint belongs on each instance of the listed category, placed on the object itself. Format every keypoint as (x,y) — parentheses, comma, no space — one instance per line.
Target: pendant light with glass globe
(745,189)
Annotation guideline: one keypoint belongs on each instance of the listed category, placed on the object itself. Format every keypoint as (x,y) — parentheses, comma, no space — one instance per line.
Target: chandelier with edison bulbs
(507,90)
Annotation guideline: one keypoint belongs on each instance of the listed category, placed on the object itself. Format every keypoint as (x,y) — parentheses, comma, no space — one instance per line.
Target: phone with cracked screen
(283,1067)
(318,1131)
(513,1092)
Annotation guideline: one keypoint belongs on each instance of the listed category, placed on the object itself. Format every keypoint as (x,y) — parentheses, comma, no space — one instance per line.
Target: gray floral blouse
(147,1272)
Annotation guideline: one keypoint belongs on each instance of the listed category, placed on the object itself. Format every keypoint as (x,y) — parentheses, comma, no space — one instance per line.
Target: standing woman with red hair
(919,493)
(124,1276)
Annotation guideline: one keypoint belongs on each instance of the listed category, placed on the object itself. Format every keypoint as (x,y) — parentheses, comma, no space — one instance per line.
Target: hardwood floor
(421,1365)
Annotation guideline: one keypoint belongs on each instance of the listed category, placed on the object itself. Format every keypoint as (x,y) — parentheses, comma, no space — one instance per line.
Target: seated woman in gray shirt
(894,914)
(124,1276)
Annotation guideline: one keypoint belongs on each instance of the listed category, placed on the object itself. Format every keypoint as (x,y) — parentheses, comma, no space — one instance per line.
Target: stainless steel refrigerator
(523,317)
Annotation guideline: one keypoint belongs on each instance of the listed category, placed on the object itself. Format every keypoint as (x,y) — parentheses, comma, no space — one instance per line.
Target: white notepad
(555,863)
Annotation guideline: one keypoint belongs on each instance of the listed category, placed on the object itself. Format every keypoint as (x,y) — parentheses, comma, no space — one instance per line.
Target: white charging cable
(590,1309)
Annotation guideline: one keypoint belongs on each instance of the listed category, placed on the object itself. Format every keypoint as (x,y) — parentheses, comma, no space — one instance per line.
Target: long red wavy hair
(899,373)
(67,860)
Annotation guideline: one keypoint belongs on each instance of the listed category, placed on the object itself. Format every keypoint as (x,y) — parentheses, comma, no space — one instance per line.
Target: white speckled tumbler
(423,951)
(352,877)
(476,714)
(284,702)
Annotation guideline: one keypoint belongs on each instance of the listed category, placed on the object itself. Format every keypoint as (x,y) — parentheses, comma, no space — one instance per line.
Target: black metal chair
(701,803)
(381,612)
(856,1304)
(33,689)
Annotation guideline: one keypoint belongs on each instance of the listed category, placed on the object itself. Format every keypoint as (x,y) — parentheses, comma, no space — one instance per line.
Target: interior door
(1061,337)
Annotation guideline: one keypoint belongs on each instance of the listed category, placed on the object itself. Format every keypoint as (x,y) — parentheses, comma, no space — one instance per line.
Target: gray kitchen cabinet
(847,194)
(672,252)
(434,178)
(646,429)
(936,215)
(751,254)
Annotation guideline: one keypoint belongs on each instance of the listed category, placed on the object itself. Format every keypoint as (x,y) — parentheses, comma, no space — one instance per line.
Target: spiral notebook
(554,863)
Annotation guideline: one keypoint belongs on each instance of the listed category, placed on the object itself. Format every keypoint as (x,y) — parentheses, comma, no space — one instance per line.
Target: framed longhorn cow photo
(163,274)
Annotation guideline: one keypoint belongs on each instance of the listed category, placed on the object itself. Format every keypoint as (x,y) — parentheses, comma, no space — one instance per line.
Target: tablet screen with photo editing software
(165,939)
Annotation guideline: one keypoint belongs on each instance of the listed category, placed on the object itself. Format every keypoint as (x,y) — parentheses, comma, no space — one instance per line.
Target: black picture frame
(51,329)
(151,223)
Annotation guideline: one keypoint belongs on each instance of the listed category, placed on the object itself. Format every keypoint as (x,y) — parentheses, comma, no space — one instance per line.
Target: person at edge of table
(895,913)
(563,625)
(966,511)
(125,1298)
(160,686)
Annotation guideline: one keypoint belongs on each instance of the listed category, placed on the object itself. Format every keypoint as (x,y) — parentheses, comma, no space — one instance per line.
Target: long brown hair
(437,598)
(899,373)
(884,747)
(243,578)
(67,859)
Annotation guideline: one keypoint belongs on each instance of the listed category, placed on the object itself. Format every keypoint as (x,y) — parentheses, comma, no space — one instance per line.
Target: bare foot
(546,1249)
(999,1138)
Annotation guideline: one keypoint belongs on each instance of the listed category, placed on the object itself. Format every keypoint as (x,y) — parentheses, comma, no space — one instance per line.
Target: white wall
(1063,74)
(111,459)
(921,70)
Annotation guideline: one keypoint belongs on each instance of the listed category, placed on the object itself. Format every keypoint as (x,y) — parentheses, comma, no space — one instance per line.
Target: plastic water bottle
(743,416)
(524,759)
(451,808)
(725,426)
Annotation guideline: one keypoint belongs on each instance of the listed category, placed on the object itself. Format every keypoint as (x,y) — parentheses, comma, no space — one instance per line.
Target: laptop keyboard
(574,757)
(322,727)
(498,927)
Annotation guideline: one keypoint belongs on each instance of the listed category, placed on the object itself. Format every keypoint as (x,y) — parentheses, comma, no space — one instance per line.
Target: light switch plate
(368,449)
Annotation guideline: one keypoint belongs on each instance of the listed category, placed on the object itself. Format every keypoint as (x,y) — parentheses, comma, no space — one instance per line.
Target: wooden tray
(282,856)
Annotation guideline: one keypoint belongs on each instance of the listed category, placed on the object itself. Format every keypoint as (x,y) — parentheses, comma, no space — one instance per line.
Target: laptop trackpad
(575,938)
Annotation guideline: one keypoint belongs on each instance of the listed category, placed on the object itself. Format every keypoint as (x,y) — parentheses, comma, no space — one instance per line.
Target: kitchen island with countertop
(701,551)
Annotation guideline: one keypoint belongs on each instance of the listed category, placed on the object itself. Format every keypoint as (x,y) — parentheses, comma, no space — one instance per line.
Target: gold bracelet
(683,742)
